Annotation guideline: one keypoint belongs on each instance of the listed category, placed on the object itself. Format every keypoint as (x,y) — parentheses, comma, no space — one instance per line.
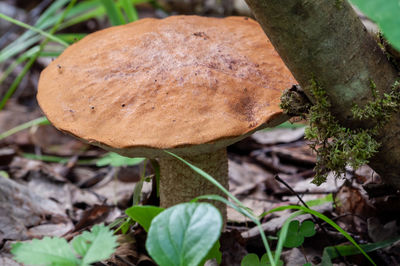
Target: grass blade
(113,12)
(130,10)
(48,19)
(50,11)
(16,47)
(326,219)
(28,65)
(284,232)
(348,250)
(247,214)
(71,37)
(26,26)
(57,159)
(38,121)
(19,60)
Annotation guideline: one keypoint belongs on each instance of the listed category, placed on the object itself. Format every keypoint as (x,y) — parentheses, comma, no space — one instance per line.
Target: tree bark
(324,40)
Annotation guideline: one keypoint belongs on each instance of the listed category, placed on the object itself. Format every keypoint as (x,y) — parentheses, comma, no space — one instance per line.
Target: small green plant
(185,234)
(84,249)
(178,221)
(252,259)
(273,258)
(143,215)
(297,233)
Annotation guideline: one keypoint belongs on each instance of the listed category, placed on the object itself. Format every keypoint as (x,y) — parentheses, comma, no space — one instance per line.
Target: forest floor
(52,185)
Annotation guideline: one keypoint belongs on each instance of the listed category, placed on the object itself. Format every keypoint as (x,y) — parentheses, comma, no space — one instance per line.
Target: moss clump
(337,146)
(294,102)
(381,108)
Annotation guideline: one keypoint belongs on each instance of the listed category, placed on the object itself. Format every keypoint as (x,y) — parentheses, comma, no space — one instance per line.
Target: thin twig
(313,217)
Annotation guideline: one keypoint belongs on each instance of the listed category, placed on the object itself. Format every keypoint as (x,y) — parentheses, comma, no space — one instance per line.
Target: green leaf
(184,234)
(137,192)
(296,233)
(71,37)
(35,122)
(214,253)
(326,257)
(252,260)
(4,174)
(116,160)
(307,229)
(28,65)
(293,238)
(113,12)
(386,14)
(320,201)
(48,251)
(96,245)
(130,10)
(330,253)
(244,211)
(265,261)
(24,25)
(326,219)
(240,207)
(143,214)
(126,225)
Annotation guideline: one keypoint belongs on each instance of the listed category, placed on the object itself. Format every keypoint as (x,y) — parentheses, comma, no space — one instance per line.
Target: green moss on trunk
(338,146)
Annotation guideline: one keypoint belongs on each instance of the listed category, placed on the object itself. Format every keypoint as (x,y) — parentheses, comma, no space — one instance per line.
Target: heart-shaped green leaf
(296,233)
(183,234)
(252,260)
(143,214)
(307,229)
(214,253)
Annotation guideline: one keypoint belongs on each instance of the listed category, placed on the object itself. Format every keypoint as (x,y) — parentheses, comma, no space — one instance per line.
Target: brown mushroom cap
(166,84)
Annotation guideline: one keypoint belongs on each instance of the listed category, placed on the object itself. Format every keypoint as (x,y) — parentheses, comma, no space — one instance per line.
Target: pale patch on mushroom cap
(173,83)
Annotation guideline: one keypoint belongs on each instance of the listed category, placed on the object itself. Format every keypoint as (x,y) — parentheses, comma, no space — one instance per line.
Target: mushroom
(186,84)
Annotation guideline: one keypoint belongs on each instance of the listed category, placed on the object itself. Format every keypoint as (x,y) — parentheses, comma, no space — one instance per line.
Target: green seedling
(84,249)
(143,215)
(253,260)
(297,233)
(184,234)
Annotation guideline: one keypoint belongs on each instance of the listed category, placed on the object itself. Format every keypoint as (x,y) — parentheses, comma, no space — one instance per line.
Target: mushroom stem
(179,183)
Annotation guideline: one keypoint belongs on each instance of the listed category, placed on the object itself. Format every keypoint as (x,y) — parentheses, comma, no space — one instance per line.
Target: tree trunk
(324,40)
